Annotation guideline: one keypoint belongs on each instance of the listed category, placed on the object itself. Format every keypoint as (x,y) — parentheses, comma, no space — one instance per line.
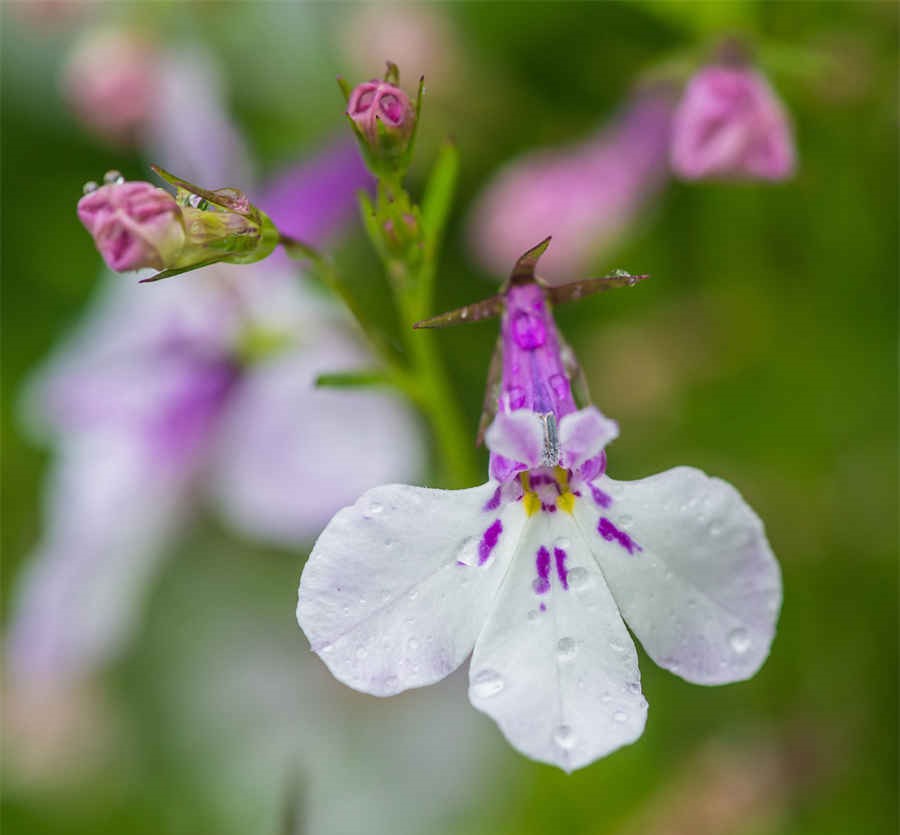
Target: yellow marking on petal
(566,502)
(562,477)
(531,502)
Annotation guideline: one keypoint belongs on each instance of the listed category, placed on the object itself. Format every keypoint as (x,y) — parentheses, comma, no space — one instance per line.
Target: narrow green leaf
(439,193)
(353,379)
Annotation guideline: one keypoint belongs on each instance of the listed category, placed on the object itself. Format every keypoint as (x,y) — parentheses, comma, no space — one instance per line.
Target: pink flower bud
(134,225)
(730,124)
(377,103)
(111,83)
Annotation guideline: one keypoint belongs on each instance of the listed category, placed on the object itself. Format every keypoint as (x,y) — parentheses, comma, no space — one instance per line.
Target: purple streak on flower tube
(584,196)
(534,377)
(730,124)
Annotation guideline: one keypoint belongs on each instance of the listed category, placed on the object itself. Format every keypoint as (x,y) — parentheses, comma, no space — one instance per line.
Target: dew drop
(565,544)
(615,646)
(620,716)
(715,530)
(391,682)
(361,653)
(486,683)
(560,385)
(739,640)
(564,737)
(373,510)
(89,186)
(634,687)
(625,521)
(467,552)
(113,177)
(533,615)
(579,579)
(413,644)
(566,649)
(413,594)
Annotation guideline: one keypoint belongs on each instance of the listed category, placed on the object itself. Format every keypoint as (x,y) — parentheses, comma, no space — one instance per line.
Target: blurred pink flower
(111,83)
(198,389)
(418,38)
(730,124)
(585,196)
(135,225)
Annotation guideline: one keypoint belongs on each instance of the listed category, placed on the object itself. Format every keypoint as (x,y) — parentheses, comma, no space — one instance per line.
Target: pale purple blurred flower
(730,124)
(162,400)
(111,82)
(135,225)
(585,196)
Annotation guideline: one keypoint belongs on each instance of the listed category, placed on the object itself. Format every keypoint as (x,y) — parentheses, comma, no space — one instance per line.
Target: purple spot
(611,533)
(561,571)
(489,541)
(528,330)
(602,499)
(543,607)
(548,508)
(542,563)
(494,501)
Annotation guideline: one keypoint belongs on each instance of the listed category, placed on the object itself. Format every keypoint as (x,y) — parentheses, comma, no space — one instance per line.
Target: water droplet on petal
(564,737)
(89,186)
(579,579)
(486,683)
(616,646)
(391,682)
(113,177)
(739,640)
(361,652)
(467,552)
(634,687)
(413,644)
(413,594)
(625,521)
(566,649)
(620,716)
(563,543)
(373,509)
(533,615)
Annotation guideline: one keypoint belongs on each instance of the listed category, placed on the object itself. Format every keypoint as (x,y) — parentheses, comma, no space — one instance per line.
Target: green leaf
(439,193)
(353,379)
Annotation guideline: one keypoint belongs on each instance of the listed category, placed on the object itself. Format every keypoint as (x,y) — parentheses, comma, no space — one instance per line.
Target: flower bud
(134,225)
(730,124)
(385,121)
(137,225)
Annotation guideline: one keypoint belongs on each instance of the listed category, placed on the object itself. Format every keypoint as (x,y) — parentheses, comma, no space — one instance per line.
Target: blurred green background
(763,350)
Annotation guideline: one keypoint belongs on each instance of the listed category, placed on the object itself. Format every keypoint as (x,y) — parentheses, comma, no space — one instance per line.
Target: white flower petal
(398,585)
(289,455)
(562,681)
(518,436)
(690,568)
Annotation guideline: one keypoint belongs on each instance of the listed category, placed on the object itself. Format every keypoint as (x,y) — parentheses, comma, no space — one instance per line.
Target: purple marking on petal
(543,607)
(561,571)
(489,541)
(611,533)
(494,501)
(548,508)
(602,499)
(542,563)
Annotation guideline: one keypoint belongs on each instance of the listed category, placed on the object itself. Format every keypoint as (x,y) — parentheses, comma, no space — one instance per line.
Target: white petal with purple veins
(555,665)
(399,585)
(688,563)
